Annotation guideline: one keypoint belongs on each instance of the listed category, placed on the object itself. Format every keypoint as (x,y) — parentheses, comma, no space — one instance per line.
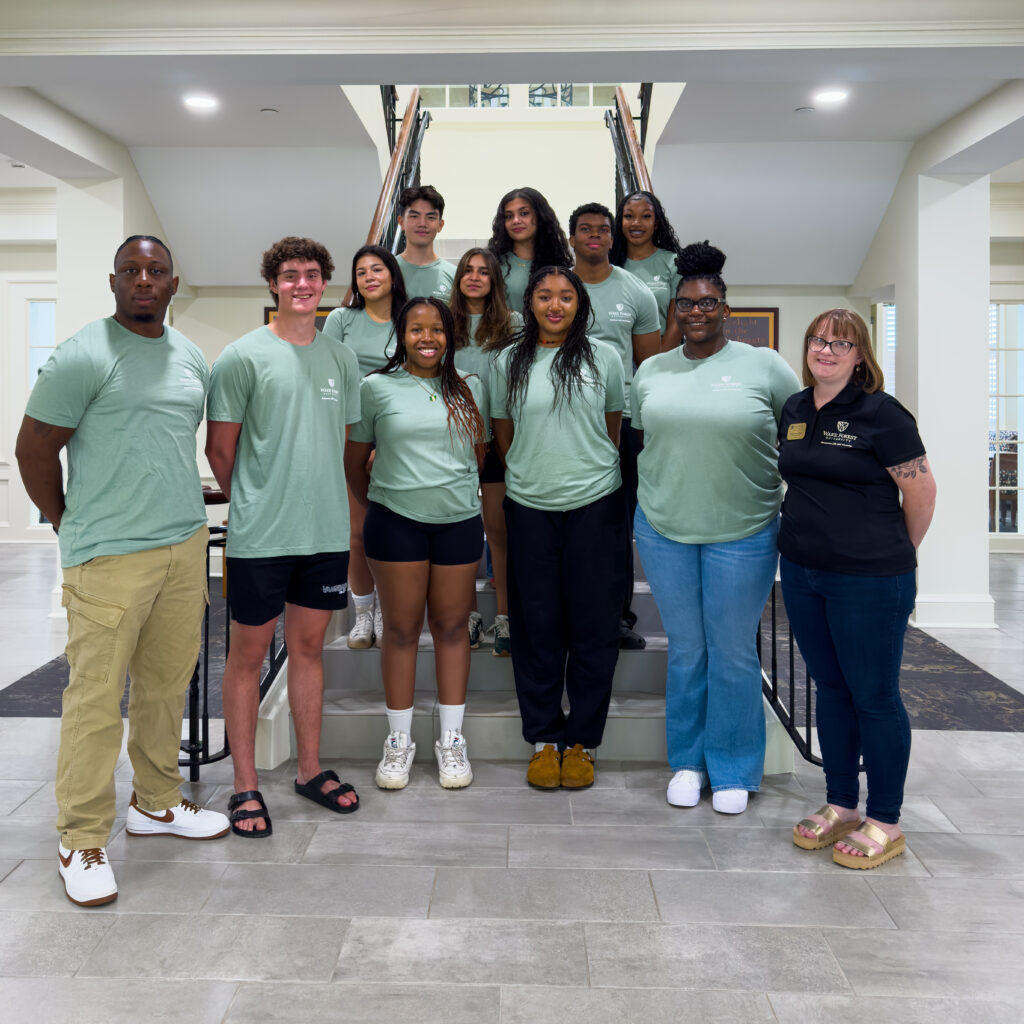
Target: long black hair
(701,261)
(550,248)
(664,236)
(455,393)
(398,296)
(573,354)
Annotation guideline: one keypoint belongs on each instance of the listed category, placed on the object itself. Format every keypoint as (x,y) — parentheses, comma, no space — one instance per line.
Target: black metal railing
(631,174)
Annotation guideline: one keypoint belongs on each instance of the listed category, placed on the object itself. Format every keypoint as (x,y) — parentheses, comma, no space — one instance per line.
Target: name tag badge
(796,432)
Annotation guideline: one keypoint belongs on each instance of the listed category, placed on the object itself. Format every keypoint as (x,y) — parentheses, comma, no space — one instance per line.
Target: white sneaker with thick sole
(476,629)
(502,641)
(360,636)
(378,626)
(393,770)
(88,878)
(684,789)
(729,801)
(453,768)
(185,820)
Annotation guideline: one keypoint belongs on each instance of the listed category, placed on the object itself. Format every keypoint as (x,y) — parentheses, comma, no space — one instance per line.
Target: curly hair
(550,248)
(293,248)
(701,261)
(572,356)
(496,327)
(455,392)
(398,296)
(664,236)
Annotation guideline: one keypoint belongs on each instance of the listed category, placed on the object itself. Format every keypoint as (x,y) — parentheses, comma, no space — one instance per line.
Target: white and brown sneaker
(88,878)
(185,820)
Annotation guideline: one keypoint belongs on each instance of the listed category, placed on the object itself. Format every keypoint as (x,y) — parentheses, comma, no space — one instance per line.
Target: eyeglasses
(839,347)
(707,304)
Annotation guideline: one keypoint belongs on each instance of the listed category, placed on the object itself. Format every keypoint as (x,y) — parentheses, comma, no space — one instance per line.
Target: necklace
(431,394)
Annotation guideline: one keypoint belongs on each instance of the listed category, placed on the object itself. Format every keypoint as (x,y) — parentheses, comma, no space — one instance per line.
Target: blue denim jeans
(850,632)
(710,597)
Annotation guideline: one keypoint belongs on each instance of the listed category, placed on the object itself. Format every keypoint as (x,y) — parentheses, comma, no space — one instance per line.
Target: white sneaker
(393,770)
(502,642)
(88,878)
(684,789)
(186,820)
(360,636)
(453,767)
(729,801)
(476,629)
(378,626)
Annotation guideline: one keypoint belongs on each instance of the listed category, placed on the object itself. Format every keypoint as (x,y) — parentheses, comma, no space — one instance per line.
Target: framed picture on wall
(270,314)
(757,326)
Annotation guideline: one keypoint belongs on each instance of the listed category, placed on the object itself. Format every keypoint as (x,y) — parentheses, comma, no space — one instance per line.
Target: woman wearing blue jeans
(706,527)
(848,452)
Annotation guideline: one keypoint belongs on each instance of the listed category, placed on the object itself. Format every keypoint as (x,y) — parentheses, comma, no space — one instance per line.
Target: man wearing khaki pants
(125,395)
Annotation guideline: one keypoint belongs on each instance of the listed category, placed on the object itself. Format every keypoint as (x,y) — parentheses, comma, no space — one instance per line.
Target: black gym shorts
(390,537)
(259,587)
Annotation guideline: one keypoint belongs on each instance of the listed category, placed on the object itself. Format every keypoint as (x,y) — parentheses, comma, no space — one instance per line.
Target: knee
(448,631)
(401,634)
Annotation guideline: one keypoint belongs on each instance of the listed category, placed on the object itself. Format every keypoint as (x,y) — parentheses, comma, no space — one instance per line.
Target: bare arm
(917,486)
(357,469)
(504,431)
(645,345)
(673,336)
(221,447)
(38,453)
(613,420)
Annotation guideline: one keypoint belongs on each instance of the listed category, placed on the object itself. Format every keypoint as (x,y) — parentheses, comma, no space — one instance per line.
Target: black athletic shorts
(259,587)
(493,471)
(390,537)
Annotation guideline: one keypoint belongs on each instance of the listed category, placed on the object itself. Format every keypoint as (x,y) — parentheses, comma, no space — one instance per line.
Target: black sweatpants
(566,576)
(629,451)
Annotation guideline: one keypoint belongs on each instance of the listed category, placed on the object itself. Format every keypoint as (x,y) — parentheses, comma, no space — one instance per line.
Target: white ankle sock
(363,602)
(400,721)
(451,717)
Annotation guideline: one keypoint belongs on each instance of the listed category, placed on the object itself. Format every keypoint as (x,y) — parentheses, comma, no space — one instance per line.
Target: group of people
(555,394)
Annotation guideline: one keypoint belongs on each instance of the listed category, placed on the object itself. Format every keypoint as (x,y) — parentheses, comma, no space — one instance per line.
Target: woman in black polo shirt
(848,452)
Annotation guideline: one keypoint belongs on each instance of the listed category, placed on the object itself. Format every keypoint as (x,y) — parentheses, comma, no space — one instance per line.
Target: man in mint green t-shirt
(125,396)
(281,400)
(421,217)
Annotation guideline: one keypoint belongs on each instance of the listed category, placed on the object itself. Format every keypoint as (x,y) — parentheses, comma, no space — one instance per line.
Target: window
(1005,414)
(571,94)
(463,96)
(42,335)
(887,344)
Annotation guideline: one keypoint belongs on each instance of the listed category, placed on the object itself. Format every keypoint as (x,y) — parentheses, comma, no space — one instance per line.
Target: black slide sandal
(311,791)
(241,798)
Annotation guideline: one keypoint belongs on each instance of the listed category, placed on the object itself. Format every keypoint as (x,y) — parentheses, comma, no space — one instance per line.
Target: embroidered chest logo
(727,384)
(329,393)
(842,425)
(189,381)
(839,437)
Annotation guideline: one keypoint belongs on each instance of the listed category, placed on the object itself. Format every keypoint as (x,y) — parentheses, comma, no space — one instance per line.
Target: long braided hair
(455,393)
(573,355)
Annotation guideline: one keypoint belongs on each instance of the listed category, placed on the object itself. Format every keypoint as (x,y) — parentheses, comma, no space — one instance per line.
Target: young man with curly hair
(281,400)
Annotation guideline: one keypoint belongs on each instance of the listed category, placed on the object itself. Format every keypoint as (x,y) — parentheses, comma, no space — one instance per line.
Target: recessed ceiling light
(200,103)
(830,96)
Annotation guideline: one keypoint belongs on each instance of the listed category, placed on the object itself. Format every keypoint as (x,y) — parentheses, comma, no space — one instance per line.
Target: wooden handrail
(381,214)
(636,154)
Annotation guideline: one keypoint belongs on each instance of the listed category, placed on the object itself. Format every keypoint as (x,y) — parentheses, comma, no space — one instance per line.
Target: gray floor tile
(365,1004)
(701,956)
(791,1008)
(970,856)
(43,803)
(6,867)
(42,944)
(32,837)
(751,849)
(985,815)
(142,887)
(15,793)
(994,906)
(529,1004)
(212,948)
(285,846)
(989,750)
(322,890)
(98,1001)
(649,807)
(767,898)
(27,767)
(413,844)
(958,965)
(466,952)
(1006,783)
(600,846)
(482,806)
(543,894)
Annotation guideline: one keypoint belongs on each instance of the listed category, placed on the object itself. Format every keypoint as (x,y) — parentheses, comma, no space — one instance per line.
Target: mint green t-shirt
(561,456)
(288,493)
(135,404)
(658,272)
(709,467)
(516,273)
(431,279)
(373,343)
(622,306)
(421,470)
(471,358)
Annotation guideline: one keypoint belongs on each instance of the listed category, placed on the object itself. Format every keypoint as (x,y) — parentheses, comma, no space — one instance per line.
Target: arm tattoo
(909,470)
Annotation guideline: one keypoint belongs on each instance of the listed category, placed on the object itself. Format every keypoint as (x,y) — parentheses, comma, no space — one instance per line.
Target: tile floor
(501,904)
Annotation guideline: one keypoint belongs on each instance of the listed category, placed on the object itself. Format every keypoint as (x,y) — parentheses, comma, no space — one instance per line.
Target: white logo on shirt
(657,277)
(842,425)
(329,393)
(189,381)
(618,306)
(330,380)
(725,380)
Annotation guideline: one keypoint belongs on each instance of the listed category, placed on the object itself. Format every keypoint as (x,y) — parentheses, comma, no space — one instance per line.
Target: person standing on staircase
(421,217)
(281,399)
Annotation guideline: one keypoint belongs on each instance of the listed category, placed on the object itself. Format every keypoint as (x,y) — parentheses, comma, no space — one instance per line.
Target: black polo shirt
(842,509)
